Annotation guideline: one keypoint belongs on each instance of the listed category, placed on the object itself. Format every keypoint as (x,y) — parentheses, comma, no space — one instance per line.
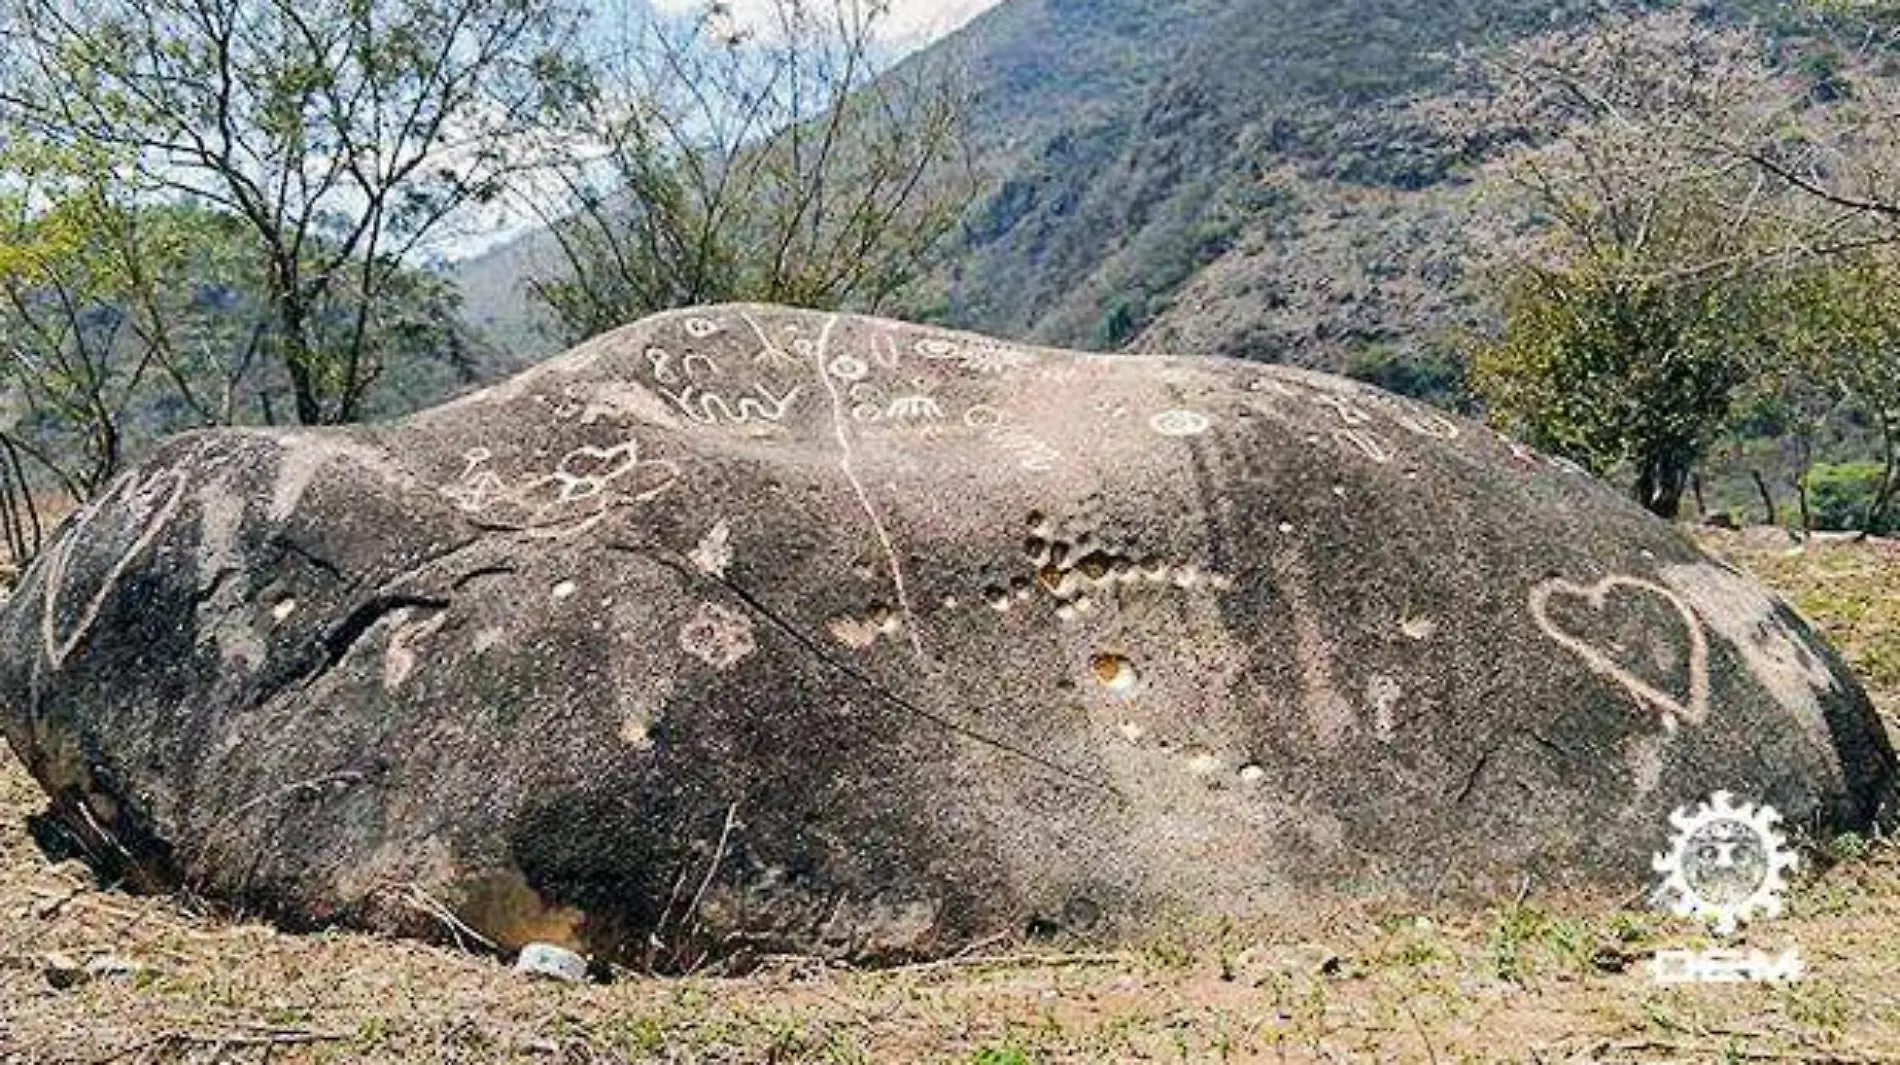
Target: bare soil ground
(1535,978)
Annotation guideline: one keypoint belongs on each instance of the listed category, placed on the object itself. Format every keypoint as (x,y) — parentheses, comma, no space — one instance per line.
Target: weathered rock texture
(755,629)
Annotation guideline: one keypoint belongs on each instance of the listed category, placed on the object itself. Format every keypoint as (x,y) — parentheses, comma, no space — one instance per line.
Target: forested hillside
(1130,146)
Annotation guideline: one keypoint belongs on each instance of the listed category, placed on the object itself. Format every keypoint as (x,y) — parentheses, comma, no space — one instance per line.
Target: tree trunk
(1889,480)
(1659,486)
(1773,516)
(293,344)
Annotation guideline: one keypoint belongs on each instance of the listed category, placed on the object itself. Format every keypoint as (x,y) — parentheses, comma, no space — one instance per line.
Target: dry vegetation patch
(1533,979)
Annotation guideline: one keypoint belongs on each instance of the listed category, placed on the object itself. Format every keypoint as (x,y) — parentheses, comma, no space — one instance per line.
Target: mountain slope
(1248,182)
(1239,177)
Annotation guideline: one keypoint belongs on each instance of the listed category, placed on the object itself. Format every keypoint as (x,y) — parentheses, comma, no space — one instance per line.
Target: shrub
(1839,495)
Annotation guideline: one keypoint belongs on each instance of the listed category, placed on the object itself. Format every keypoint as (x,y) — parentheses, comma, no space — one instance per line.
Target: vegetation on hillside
(1710,245)
(220,212)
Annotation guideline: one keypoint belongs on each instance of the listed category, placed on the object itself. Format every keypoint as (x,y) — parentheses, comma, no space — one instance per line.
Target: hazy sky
(911,22)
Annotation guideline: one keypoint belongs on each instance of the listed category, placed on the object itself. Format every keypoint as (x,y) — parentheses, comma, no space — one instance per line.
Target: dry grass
(1532,980)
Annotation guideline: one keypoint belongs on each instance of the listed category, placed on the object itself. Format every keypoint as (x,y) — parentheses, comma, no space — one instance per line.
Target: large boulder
(755,629)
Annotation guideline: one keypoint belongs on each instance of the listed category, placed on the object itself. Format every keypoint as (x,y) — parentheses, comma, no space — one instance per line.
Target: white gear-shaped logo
(1726,862)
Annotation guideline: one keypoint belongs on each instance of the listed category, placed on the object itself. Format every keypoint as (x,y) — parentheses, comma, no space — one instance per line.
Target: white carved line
(1696,710)
(59,649)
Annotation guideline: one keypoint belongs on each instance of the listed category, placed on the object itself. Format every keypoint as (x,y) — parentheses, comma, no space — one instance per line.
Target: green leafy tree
(783,163)
(1630,298)
(1617,372)
(1839,325)
(342,136)
(123,319)
(117,319)
(1843,496)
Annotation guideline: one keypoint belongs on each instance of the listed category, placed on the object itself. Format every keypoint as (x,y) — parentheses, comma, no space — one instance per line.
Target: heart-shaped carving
(58,647)
(1673,709)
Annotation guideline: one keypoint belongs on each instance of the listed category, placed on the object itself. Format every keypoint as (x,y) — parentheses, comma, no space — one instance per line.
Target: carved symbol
(982,358)
(1031,452)
(138,496)
(887,353)
(1422,422)
(864,398)
(995,359)
(1348,413)
(717,636)
(914,408)
(1673,709)
(1180,423)
(710,408)
(587,471)
(772,357)
(849,368)
(586,484)
(700,328)
(1370,445)
(982,416)
(661,360)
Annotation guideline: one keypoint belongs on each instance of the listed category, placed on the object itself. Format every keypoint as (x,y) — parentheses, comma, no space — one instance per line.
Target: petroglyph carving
(886,352)
(1674,709)
(1031,452)
(865,404)
(153,499)
(914,408)
(982,416)
(1349,414)
(1180,423)
(711,408)
(714,552)
(586,484)
(977,358)
(1367,444)
(1073,572)
(693,366)
(661,362)
(861,632)
(816,353)
(586,471)
(770,355)
(849,368)
(478,487)
(717,636)
(700,328)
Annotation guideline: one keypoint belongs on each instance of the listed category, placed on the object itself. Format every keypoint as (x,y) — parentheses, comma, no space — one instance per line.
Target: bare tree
(781,163)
